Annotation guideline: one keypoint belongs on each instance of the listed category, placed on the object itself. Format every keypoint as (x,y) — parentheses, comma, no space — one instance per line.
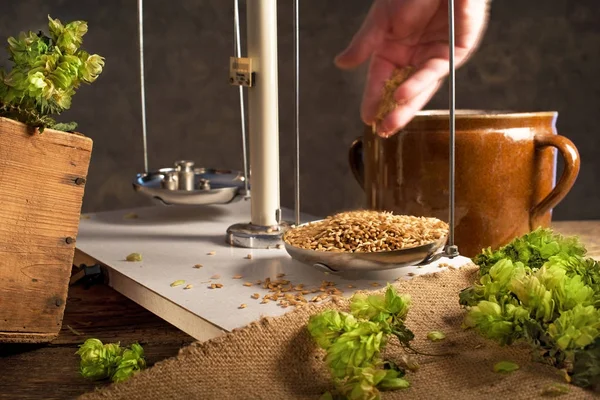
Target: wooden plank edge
(195,326)
(24,337)
(78,137)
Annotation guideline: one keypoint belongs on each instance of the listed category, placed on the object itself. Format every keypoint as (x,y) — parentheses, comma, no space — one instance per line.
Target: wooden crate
(42,180)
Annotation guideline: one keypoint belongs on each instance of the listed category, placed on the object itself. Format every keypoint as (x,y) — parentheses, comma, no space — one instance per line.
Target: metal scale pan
(338,262)
(209,186)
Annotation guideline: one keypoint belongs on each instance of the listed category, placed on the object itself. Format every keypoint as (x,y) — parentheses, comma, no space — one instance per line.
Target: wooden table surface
(51,371)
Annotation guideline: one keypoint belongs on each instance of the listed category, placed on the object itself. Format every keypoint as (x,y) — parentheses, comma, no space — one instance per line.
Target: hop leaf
(505,367)
(586,366)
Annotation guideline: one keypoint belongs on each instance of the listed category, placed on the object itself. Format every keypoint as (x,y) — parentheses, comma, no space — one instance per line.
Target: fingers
(402,115)
(368,38)
(427,74)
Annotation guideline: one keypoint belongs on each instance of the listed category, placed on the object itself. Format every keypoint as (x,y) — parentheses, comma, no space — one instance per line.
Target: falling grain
(388,102)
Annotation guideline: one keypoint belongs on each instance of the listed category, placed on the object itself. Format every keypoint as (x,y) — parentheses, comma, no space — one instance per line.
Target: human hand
(401,33)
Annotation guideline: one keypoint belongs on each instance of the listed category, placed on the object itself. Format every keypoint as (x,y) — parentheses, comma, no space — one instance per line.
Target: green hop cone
(92,67)
(534,296)
(489,318)
(98,360)
(45,73)
(326,327)
(367,307)
(92,350)
(576,328)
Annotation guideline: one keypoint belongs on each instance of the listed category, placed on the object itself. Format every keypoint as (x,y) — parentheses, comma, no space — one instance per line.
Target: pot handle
(571,169)
(355,159)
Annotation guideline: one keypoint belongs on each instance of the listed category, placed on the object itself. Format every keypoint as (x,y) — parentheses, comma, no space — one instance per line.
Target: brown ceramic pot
(505,172)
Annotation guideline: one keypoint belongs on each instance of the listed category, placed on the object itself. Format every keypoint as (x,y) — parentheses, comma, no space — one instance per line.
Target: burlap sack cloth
(275,358)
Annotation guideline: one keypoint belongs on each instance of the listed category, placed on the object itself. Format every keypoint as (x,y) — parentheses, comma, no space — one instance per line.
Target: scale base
(252,236)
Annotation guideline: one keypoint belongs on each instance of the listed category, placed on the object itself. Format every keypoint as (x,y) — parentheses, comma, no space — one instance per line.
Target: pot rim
(439,114)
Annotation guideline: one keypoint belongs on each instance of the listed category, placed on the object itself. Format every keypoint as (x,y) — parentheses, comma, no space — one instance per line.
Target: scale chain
(451,248)
(296,112)
(142,82)
(237,49)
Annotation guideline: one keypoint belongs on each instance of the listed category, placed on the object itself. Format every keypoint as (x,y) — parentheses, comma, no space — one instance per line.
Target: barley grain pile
(366,231)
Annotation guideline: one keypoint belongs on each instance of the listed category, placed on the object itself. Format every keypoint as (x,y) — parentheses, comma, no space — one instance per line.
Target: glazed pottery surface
(504,180)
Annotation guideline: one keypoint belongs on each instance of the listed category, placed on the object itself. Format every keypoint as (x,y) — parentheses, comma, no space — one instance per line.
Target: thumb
(368,38)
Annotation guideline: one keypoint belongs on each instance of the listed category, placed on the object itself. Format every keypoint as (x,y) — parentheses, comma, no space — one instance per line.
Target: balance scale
(216,228)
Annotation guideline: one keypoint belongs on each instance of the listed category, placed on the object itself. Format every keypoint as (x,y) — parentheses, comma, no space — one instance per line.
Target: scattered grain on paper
(211,253)
(279,246)
(280,275)
(248,284)
(178,283)
(248,257)
(134,257)
(375,284)
(242,306)
(237,277)
(264,301)
(130,215)
(189,286)
(255,296)
(411,274)
(216,286)
(366,231)
(216,276)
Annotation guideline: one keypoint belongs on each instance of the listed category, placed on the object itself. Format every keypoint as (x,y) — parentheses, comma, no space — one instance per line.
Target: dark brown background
(536,55)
